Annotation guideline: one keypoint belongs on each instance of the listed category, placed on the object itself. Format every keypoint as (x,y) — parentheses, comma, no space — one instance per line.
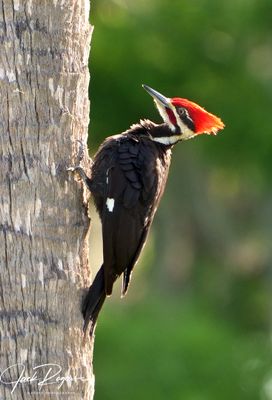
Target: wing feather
(132,188)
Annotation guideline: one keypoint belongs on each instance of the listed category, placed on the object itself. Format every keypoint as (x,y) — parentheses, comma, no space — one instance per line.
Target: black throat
(158,133)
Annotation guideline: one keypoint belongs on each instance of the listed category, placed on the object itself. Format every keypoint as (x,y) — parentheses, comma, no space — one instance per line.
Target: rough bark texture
(44,48)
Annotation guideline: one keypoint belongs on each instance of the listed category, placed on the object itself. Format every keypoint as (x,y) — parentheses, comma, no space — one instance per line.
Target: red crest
(204,121)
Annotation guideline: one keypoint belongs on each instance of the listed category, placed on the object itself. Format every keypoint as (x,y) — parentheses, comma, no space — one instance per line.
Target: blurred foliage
(210,253)
(177,350)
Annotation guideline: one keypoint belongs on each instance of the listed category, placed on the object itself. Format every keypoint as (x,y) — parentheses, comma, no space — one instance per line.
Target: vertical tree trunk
(44,48)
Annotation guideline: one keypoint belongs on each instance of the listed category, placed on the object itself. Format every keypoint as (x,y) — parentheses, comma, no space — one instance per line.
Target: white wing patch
(110,204)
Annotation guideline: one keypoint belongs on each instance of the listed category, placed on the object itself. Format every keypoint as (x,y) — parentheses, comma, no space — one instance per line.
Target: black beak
(157,96)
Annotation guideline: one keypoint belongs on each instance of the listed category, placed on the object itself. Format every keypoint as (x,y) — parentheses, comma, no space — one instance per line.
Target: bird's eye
(181,111)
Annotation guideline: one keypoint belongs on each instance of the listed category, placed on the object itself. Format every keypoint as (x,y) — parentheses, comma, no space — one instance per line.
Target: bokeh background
(196,323)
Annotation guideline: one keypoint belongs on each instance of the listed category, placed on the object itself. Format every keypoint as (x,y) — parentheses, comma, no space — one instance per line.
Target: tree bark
(44,49)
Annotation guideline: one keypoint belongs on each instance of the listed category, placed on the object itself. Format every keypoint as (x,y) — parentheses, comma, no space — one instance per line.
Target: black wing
(133,191)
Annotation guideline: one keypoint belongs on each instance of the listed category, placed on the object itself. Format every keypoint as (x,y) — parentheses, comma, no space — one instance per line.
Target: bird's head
(184,118)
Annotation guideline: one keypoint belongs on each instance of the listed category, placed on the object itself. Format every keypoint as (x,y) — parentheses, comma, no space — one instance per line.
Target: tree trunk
(44,48)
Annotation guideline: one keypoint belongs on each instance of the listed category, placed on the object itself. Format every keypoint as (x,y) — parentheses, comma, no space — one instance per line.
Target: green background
(195,324)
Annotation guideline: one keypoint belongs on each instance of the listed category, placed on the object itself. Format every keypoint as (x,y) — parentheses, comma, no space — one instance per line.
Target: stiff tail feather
(93,302)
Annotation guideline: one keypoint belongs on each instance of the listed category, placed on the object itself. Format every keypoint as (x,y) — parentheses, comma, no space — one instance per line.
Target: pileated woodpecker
(128,178)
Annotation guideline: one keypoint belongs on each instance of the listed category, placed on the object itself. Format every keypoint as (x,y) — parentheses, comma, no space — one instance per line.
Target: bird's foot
(80,171)
(77,170)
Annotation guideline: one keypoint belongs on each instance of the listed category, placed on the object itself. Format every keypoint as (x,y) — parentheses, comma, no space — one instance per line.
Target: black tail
(94,301)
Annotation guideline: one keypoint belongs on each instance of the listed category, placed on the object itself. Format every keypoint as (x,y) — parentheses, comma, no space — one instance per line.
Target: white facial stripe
(110,204)
(167,140)
(186,133)
(164,115)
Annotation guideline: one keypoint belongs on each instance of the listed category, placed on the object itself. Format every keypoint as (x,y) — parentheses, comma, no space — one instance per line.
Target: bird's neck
(164,135)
